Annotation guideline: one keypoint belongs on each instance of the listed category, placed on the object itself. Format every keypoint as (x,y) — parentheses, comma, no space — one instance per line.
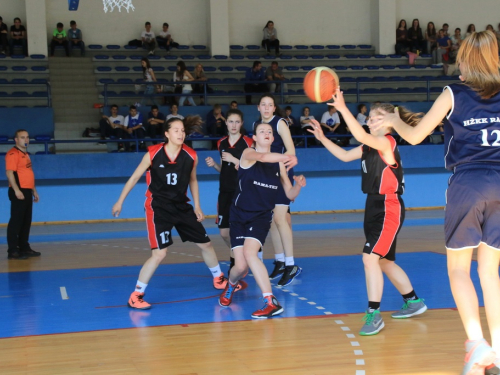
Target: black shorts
(223,207)
(249,224)
(384,217)
(161,218)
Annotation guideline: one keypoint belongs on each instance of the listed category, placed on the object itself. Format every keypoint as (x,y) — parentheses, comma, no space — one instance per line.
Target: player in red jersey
(170,168)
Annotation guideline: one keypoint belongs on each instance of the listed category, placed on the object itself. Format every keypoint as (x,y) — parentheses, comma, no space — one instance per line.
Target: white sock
(280,257)
(289,261)
(140,287)
(267,294)
(260,254)
(215,271)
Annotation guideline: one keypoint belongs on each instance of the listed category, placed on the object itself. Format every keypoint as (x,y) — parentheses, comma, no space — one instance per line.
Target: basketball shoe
(270,309)
(220,281)
(136,301)
(493,369)
(226,297)
(279,269)
(410,308)
(291,272)
(373,323)
(479,356)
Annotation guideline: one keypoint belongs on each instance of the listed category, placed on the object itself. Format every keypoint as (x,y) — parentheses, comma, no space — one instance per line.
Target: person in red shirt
(22,193)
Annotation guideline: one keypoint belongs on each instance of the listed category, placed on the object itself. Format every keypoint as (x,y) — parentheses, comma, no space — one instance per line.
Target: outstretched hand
(291,162)
(300,180)
(384,119)
(338,100)
(316,130)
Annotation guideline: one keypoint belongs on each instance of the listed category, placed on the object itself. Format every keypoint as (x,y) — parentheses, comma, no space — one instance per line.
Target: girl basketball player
(383,182)
(281,228)
(170,168)
(259,175)
(472,129)
(230,148)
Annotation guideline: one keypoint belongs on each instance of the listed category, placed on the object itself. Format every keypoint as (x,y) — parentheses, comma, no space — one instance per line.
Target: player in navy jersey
(230,148)
(170,168)
(260,174)
(472,138)
(281,229)
(383,182)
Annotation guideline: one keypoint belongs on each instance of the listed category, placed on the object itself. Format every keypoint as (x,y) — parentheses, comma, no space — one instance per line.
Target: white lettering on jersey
(274,187)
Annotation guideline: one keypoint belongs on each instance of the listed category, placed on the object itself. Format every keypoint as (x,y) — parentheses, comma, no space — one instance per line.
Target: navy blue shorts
(249,224)
(473,207)
(281,198)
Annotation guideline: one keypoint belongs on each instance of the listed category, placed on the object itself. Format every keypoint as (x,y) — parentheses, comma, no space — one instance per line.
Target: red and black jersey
(168,180)
(378,177)
(228,179)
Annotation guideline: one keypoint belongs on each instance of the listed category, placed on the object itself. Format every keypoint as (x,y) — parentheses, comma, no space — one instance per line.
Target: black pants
(18,230)
(53,45)
(254,87)
(268,43)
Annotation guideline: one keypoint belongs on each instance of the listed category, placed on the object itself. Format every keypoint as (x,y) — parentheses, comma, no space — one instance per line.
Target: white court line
(345,328)
(64,294)
(328,313)
(339,322)
(358,352)
(360,372)
(355,343)
(350,335)
(360,362)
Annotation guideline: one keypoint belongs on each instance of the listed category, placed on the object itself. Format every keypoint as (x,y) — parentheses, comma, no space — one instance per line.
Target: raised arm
(250,156)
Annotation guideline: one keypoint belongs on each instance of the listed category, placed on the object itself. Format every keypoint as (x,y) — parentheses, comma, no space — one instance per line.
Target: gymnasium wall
(10,9)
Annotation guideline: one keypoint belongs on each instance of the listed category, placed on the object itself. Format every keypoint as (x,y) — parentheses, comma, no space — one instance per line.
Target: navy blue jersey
(257,187)
(168,180)
(278,145)
(471,128)
(378,177)
(228,174)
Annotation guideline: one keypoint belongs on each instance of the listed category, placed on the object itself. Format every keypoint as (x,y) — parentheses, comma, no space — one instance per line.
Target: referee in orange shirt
(22,193)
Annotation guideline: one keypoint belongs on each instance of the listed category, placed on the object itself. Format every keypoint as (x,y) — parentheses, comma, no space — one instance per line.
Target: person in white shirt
(330,119)
(148,39)
(113,126)
(173,110)
(164,38)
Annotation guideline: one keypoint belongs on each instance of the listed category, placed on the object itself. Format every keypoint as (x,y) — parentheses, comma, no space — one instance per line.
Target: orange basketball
(320,84)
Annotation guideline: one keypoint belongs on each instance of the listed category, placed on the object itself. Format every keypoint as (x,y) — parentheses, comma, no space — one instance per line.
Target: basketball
(320,84)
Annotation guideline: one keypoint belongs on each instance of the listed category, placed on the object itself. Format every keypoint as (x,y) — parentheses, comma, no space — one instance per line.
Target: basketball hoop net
(112,4)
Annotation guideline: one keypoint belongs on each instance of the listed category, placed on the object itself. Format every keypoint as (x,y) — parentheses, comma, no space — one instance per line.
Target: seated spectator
(270,38)
(402,42)
(75,37)
(292,123)
(330,120)
(361,117)
(470,29)
(199,75)
(430,37)
(135,128)
(274,73)
(182,74)
(305,123)
(445,29)
(257,75)
(148,39)
(440,55)
(233,105)
(4,40)
(59,38)
(456,41)
(415,37)
(216,122)
(113,126)
(18,37)
(165,40)
(154,127)
(173,113)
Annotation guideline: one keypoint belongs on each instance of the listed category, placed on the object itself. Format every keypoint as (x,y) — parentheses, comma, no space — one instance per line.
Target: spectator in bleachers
(199,75)
(270,38)
(470,29)
(233,105)
(445,29)
(402,42)
(75,37)
(173,113)
(257,75)
(216,122)
(4,40)
(135,127)
(59,38)
(148,39)
(415,36)
(148,75)
(164,38)
(490,28)
(330,120)
(156,119)
(361,117)
(305,123)
(430,37)
(456,41)
(183,75)
(291,121)
(440,55)
(113,125)
(274,73)
(18,37)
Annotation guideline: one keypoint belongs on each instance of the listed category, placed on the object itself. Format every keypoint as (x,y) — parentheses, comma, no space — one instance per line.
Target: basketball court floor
(66,312)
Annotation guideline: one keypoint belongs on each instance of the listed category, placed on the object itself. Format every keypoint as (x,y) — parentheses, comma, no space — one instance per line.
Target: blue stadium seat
(347,79)
(39,94)
(19,68)
(425,55)
(372,67)
(237,57)
(388,90)
(364,46)
(301,46)
(404,66)
(39,68)
(229,80)
(365,56)
(307,67)
(291,68)
(130,47)
(388,67)
(371,91)
(339,67)
(170,57)
(39,81)
(135,57)
(380,56)
(127,93)
(214,80)
(172,68)
(106,80)
(110,93)
(104,69)
(101,57)
(190,68)
(286,57)
(317,46)
(253,47)
(220,57)
(420,66)
(404,89)
(3,68)
(420,89)
(379,79)
(199,47)
(236,47)
(296,79)
(351,56)
(158,68)
(19,80)
(3,94)
(333,56)
(38,56)
(242,68)
(154,57)
(356,67)
(113,46)
(269,57)
(396,78)
(126,68)
(125,80)
(364,79)
(286,47)
(19,94)
(412,78)
(301,57)
(4,138)
(253,57)
(209,68)
(317,57)
(436,89)
(204,57)
(187,57)
(43,137)
(3,55)
(94,46)
(119,57)
(226,68)
(333,46)
(3,81)
(395,56)
(349,46)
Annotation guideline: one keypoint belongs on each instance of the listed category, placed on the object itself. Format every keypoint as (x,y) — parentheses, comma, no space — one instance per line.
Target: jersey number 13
(172,179)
